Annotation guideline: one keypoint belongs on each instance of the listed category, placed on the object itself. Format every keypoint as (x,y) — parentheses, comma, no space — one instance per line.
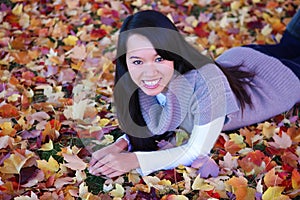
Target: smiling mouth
(151,84)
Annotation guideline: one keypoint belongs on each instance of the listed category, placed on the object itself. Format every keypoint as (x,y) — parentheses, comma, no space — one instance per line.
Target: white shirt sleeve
(201,142)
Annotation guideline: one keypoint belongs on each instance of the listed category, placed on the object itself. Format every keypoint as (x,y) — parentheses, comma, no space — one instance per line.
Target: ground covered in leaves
(56,82)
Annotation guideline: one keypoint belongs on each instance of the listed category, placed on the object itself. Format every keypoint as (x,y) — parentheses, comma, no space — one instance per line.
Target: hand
(115,164)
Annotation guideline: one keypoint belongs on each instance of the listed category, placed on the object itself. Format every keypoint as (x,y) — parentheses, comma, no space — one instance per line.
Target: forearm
(201,142)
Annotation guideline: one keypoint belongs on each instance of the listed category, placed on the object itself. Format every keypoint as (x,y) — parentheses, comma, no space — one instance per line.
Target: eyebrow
(137,57)
(134,57)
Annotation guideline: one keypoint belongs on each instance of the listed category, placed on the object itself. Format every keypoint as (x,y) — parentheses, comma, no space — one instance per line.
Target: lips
(151,84)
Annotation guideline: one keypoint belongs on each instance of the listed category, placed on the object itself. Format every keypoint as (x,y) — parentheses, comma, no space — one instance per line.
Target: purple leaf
(207,166)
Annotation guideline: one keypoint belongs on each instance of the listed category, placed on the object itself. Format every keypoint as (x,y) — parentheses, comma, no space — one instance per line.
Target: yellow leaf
(14,163)
(235,5)
(47,146)
(13,98)
(18,9)
(71,40)
(49,168)
(295,179)
(108,139)
(268,129)
(103,122)
(199,184)
(134,177)
(165,182)
(274,193)
(7,129)
(118,192)
(181,136)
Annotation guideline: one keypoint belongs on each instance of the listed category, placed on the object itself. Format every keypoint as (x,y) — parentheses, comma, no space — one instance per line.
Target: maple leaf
(229,162)
(268,129)
(240,188)
(51,130)
(283,142)
(290,158)
(271,179)
(206,166)
(235,143)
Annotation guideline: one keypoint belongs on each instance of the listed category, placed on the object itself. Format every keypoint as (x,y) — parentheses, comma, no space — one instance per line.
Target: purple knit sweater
(202,95)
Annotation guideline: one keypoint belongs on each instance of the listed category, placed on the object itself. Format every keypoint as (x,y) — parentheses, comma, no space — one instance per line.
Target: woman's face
(148,70)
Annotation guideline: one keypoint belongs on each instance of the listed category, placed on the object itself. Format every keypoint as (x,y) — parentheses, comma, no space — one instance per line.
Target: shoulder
(242,56)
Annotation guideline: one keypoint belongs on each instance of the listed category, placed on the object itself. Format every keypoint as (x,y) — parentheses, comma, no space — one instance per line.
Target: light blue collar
(162,99)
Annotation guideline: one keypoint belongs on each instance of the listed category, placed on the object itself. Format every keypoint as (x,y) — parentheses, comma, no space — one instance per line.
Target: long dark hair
(170,45)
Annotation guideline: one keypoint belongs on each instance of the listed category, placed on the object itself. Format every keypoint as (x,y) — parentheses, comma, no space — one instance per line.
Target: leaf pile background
(56,83)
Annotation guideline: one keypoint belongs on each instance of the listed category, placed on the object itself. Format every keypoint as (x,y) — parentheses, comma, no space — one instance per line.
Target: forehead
(137,42)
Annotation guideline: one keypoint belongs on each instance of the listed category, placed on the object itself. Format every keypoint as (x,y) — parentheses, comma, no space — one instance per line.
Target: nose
(150,70)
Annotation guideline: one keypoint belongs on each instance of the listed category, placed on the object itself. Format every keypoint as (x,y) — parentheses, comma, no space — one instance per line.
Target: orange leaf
(271,179)
(240,188)
(295,179)
(290,158)
(249,135)
(294,133)
(51,130)
(8,110)
(21,57)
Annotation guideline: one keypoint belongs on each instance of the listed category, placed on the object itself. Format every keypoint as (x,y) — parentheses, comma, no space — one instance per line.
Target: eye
(159,59)
(137,62)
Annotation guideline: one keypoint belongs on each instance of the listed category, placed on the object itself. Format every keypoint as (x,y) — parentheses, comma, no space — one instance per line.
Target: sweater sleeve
(202,140)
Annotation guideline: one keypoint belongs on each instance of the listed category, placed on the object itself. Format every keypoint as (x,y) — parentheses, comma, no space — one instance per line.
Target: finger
(96,166)
(97,155)
(115,174)
(103,170)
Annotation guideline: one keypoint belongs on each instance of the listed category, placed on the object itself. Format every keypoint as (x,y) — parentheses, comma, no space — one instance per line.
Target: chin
(151,93)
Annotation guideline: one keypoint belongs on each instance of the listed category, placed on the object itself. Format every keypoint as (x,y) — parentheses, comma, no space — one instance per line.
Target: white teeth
(151,83)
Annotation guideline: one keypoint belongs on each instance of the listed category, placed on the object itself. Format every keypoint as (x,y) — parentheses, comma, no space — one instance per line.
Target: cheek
(169,69)
(134,72)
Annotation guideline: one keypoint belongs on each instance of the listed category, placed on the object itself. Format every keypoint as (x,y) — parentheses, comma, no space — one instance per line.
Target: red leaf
(200,30)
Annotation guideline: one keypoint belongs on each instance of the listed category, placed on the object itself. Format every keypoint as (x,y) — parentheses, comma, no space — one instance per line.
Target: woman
(162,83)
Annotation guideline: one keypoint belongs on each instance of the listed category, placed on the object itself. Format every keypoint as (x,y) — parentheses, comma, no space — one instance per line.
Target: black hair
(170,45)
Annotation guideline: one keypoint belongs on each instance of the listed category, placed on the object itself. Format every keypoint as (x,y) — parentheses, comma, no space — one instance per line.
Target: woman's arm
(201,141)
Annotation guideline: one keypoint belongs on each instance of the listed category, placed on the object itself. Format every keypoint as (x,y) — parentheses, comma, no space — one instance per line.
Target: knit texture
(275,88)
(194,98)
(202,95)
